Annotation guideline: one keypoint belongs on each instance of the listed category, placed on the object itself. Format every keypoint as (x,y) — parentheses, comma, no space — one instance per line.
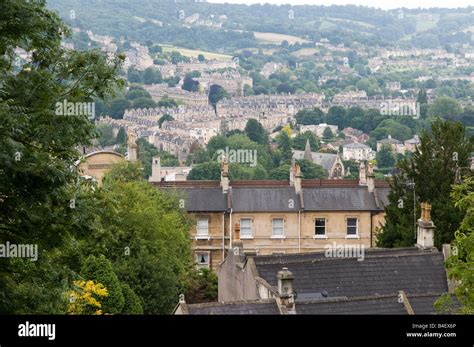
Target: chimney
(362,174)
(292,172)
(370,178)
(425,231)
(298,177)
(155,170)
(224,175)
(285,288)
(132,147)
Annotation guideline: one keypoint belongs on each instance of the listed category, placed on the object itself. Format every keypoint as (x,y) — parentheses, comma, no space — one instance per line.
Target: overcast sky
(385,4)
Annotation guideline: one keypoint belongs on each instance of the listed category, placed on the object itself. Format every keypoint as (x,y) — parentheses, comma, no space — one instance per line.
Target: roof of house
(279,196)
(374,304)
(262,307)
(338,199)
(381,272)
(356,145)
(281,199)
(203,199)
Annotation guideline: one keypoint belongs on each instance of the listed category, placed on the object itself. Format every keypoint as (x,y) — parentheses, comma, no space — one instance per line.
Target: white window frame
(282,236)
(352,236)
(321,236)
(206,265)
(201,236)
(250,234)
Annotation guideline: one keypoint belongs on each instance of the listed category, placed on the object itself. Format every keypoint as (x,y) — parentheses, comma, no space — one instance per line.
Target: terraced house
(280,217)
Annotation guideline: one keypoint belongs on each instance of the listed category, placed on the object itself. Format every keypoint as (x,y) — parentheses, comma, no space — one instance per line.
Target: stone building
(280,216)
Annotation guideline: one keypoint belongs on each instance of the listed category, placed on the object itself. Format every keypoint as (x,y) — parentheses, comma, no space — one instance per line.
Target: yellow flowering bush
(85,299)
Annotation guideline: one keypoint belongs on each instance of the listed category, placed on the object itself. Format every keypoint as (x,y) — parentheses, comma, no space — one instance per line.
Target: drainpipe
(231,234)
(223,236)
(299,231)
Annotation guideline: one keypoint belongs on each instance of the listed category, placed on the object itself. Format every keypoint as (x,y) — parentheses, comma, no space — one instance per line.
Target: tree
(190,85)
(39,148)
(205,171)
(299,141)
(385,157)
(337,115)
(167,102)
(284,145)
(444,107)
(132,303)
(86,298)
(145,235)
(117,108)
(106,135)
(152,76)
(217,93)
(311,170)
(327,133)
(143,103)
(134,76)
(201,286)
(307,117)
(461,263)
(201,58)
(255,132)
(433,169)
(99,269)
(164,118)
(121,137)
(281,173)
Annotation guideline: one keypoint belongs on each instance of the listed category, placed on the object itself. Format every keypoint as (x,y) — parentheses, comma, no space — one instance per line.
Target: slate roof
(381,272)
(367,305)
(338,199)
(203,199)
(279,196)
(376,305)
(274,199)
(326,160)
(261,307)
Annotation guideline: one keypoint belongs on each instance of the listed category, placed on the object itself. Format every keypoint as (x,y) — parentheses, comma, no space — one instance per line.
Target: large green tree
(37,185)
(442,153)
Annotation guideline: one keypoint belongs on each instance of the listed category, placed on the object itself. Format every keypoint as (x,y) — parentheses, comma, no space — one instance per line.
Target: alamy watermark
(336,250)
(400,108)
(69,108)
(13,250)
(241,156)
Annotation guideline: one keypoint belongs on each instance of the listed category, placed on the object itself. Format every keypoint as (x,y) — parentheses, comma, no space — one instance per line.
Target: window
(351,226)
(277,228)
(320,226)
(245,228)
(202,228)
(202,260)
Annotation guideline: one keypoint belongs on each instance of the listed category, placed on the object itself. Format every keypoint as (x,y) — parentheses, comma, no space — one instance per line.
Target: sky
(384,4)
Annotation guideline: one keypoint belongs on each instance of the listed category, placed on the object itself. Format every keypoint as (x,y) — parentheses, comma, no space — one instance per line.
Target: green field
(192,53)
(277,39)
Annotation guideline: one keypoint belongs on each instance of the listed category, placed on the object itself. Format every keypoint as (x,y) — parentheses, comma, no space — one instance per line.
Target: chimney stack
(292,172)
(224,175)
(370,178)
(362,174)
(298,177)
(132,147)
(155,170)
(425,231)
(285,288)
